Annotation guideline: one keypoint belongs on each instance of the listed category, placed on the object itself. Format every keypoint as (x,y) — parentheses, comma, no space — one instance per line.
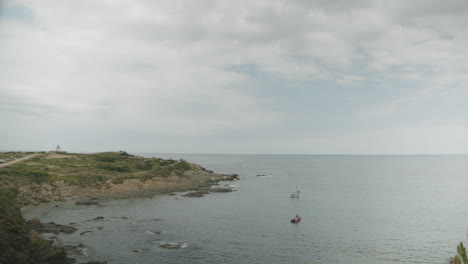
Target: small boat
(295,194)
(296,220)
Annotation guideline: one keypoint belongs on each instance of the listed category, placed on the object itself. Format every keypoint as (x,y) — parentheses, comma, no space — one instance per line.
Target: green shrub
(89,180)
(8,200)
(107,159)
(183,166)
(111,167)
(27,173)
(461,257)
(166,162)
(145,166)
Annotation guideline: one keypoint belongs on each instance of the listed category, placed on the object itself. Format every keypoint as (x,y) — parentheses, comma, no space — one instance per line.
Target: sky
(253,76)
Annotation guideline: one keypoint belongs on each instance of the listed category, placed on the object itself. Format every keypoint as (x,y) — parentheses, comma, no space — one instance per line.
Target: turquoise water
(355,209)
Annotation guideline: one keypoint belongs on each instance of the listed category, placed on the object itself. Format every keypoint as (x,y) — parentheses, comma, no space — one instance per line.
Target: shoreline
(50,231)
(59,177)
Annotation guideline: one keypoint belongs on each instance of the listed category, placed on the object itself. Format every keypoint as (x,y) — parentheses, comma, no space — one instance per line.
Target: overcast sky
(254,76)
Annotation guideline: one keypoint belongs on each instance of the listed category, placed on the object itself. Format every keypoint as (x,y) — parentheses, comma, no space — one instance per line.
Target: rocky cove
(85,179)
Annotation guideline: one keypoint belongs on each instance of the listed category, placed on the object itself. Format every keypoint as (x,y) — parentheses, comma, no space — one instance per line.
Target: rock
(172,194)
(67,229)
(169,245)
(84,232)
(219,189)
(70,260)
(152,233)
(97,218)
(196,194)
(51,227)
(231,177)
(86,202)
(99,227)
(96,262)
(75,250)
(140,250)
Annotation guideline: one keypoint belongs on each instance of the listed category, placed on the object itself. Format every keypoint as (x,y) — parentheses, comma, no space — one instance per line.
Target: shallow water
(355,209)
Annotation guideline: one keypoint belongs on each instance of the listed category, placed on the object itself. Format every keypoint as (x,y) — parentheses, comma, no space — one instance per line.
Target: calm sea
(355,209)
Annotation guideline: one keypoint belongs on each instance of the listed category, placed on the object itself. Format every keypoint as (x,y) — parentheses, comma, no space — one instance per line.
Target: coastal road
(17,160)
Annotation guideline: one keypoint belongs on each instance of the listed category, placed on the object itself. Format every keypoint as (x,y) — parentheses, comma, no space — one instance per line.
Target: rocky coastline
(86,178)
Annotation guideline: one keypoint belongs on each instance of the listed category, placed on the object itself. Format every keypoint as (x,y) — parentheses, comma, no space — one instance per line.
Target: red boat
(296,220)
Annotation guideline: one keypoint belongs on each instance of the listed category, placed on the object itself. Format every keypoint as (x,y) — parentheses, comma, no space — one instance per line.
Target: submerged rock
(97,218)
(152,233)
(84,232)
(87,202)
(231,177)
(75,250)
(176,245)
(139,250)
(51,227)
(219,189)
(196,194)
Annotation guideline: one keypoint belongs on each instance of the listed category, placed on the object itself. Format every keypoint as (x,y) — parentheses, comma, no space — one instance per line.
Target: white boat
(295,194)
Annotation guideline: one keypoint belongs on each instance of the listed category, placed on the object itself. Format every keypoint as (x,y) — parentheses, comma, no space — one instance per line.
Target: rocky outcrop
(51,227)
(197,178)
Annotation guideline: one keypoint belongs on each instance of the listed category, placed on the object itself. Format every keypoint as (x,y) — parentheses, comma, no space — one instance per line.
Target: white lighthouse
(58,149)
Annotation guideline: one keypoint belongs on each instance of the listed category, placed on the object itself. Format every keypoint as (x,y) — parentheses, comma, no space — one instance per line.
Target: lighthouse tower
(58,149)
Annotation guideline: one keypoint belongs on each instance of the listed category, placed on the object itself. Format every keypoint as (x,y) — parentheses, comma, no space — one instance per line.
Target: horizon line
(219,153)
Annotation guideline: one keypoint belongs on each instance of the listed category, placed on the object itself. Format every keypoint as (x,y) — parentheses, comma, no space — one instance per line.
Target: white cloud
(163,66)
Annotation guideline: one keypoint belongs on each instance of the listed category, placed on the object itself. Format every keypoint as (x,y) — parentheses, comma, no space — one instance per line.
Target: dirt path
(17,160)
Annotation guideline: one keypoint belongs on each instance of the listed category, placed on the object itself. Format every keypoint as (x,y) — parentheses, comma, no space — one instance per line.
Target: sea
(354,209)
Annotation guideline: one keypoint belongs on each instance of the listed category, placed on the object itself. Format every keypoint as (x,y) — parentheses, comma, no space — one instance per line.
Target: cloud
(169,66)
(442,138)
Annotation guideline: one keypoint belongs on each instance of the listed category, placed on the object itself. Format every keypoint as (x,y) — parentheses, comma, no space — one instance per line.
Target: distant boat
(296,220)
(295,194)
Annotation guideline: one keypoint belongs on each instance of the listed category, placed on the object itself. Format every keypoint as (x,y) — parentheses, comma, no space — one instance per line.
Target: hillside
(58,175)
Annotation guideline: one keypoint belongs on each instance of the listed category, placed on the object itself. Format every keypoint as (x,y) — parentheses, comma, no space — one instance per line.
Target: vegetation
(91,170)
(19,244)
(14,155)
(461,257)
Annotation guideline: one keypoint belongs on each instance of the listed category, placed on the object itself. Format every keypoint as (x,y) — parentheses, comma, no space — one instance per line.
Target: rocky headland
(56,176)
